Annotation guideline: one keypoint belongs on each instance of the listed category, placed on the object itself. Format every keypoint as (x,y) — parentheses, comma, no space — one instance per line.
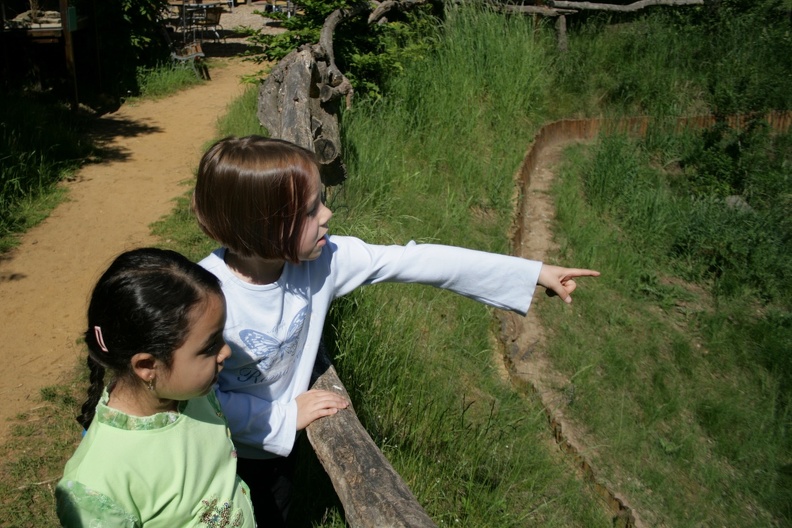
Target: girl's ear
(144,365)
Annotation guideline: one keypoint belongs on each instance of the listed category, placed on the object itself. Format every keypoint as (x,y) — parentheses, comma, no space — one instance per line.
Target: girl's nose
(327,214)
(224,354)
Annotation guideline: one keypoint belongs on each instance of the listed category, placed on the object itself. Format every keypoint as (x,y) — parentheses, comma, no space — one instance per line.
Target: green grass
(41,441)
(41,143)
(685,61)
(682,366)
(678,358)
(164,80)
(239,119)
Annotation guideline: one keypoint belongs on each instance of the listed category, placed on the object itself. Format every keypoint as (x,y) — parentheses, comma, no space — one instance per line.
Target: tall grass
(41,142)
(445,142)
(165,79)
(434,161)
(239,119)
(682,347)
(729,58)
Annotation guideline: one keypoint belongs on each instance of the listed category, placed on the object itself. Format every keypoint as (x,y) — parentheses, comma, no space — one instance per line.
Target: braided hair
(142,303)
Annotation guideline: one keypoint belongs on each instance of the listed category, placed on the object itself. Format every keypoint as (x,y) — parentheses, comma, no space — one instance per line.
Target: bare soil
(153,148)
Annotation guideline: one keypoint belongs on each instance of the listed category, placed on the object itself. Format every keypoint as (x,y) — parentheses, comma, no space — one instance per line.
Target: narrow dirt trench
(152,147)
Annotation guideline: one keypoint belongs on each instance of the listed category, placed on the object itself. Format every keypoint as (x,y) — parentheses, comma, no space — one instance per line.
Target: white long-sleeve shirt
(274,329)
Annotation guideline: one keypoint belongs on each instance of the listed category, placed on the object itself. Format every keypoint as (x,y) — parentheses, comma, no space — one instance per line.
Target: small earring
(151,384)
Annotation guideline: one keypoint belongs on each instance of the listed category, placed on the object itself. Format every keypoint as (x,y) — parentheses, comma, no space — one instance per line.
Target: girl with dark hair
(157,450)
(261,199)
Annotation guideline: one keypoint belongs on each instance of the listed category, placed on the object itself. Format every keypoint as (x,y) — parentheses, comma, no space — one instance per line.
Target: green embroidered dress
(166,470)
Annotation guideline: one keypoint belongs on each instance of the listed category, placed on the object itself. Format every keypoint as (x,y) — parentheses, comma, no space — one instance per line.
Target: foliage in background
(724,57)
(130,36)
(41,142)
(303,29)
(368,54)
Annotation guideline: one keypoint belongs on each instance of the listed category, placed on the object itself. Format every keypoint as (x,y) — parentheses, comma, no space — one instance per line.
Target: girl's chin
(315,254)
(210,388)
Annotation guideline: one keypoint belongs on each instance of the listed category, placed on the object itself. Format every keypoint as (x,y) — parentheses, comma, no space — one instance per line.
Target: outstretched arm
(561,281)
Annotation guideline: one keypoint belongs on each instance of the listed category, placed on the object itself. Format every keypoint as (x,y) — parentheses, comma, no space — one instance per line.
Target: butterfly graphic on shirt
(273,356)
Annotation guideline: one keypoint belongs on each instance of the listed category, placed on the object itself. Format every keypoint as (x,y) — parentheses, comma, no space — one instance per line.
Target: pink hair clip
(99,338)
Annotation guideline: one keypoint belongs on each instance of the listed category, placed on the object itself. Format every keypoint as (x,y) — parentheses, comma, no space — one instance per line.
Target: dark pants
(271,482)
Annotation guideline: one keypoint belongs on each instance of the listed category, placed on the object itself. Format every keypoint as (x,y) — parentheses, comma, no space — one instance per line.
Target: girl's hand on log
(315,404)
(561,281)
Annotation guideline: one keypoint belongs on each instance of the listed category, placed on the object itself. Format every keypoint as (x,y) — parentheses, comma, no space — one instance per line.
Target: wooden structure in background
(562,8)
(70,22)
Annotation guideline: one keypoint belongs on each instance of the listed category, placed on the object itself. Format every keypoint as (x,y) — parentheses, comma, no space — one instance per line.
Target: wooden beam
(534,10)
(68,46)
(635,6)
(372,493)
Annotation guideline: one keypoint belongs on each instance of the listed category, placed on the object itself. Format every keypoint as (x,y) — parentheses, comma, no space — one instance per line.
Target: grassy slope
(474,452)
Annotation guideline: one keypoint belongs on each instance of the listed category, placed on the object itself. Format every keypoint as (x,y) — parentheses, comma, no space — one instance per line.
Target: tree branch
(635,6)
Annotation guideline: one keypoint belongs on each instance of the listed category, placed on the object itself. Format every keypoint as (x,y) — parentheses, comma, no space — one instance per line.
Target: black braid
(142,303)
(94,393)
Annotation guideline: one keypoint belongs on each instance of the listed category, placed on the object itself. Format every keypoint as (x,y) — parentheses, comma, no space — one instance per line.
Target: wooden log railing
(371,491)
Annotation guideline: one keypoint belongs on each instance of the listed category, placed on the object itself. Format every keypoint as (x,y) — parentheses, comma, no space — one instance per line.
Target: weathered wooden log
(382,8)
(283,102)
(534,10)
(373,494)
(299,101)
(635,6)
(561,29)
(328,28)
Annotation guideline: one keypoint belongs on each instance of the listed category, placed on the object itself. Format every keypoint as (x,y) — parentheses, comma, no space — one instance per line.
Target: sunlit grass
(40,442)
(670,372)
(677,375)
(165,80)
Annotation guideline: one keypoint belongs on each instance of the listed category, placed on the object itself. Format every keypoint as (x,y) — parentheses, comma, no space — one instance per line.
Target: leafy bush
(368,54)
(130,37)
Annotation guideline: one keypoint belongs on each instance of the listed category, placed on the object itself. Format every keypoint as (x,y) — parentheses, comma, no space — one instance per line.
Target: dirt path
(46,281)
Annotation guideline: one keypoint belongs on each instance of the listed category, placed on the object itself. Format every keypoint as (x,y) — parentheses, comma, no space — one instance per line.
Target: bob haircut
(252,195)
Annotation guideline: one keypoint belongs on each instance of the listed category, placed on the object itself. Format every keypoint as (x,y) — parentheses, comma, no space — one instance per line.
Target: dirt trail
(46,281)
